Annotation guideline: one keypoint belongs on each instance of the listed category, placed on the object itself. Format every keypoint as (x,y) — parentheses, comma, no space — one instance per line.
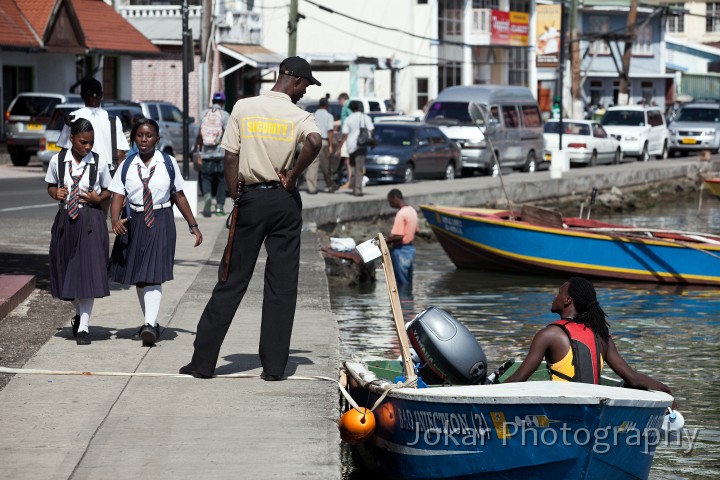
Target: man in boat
(578,345)
(400,241)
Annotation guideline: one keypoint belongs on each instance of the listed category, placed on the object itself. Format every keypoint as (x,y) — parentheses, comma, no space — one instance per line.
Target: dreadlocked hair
(587,307)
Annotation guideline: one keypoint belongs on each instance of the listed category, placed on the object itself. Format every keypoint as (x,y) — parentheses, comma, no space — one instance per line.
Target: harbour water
(669,332)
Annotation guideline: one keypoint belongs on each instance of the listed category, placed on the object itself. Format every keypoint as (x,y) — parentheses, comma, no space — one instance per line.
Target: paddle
(697,236)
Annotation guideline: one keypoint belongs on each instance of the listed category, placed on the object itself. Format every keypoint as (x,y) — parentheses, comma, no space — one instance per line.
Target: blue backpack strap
(170,170)
(61,166)
(94,169)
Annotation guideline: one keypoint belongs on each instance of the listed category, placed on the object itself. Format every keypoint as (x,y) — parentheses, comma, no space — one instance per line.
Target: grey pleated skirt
(79,255)
(145,255)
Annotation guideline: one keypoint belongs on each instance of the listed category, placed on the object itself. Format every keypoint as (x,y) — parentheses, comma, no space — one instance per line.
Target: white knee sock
(153,296)
(141,297)
(86,306)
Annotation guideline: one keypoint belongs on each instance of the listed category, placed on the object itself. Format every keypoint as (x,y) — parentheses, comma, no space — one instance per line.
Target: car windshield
(699,115)
(452,113)
(57,119)
(34,106)
(393,135)
(569,128)
(629,118)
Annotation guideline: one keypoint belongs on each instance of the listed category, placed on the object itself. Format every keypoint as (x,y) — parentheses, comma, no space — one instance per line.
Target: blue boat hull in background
(488,239)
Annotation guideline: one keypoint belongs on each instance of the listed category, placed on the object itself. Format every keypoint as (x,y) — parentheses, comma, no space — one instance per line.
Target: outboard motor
(447,348)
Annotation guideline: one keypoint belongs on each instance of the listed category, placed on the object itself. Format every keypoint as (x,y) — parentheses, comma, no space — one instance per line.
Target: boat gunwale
(571,231)
(556,393)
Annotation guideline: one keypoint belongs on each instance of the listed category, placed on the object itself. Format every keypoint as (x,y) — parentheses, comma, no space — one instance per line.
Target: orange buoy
(356,427)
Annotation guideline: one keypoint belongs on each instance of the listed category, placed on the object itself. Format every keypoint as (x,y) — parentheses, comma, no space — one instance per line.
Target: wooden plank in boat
(541,216)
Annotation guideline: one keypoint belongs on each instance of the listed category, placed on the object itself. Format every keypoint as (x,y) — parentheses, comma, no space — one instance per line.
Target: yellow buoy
(356,427)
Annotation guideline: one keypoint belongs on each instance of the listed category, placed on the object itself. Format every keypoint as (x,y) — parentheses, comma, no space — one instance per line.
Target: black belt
(260,186)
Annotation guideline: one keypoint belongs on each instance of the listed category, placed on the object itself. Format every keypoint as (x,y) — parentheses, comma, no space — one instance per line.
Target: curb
(13,290)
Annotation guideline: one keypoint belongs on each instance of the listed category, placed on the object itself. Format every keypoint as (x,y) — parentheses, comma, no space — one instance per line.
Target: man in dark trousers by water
(259,144)
(400,240)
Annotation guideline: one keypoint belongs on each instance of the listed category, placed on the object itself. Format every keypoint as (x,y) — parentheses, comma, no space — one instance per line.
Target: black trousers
(273,217)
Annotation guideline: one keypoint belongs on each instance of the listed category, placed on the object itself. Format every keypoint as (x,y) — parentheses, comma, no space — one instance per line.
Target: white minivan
(641,130)
(515,129)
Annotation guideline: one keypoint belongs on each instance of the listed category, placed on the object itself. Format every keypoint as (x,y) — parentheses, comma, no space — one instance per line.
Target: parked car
(696,126)
(515,129)
(585,141)
(124,111)
(642,131)
(170,119)
(312,105)
(405,151)
(25,121)
(372,104)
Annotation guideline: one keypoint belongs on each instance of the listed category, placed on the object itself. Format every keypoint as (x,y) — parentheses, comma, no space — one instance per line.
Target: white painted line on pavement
(14,209)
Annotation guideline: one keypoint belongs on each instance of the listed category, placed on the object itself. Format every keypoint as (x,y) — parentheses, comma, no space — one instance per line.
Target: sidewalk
(119,427)
(167,427)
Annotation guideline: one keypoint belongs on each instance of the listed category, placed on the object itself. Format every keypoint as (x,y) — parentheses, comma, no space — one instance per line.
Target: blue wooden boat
(537,429)
(537,242)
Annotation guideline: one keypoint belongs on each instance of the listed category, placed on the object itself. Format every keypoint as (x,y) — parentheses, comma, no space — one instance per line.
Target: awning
(255,56)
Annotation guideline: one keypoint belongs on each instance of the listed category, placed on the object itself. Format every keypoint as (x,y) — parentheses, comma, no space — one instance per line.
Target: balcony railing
(160,11)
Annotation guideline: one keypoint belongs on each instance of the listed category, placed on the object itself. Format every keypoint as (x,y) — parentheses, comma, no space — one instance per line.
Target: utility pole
(292,28)
(206,56)
(187,67)
(575,60)
(561,72)
(624,95)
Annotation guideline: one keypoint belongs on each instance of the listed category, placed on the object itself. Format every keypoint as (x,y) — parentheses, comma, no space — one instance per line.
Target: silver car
(585,141)
(696,127)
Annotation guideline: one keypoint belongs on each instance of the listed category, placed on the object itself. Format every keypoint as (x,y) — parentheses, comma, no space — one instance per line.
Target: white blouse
(159,183)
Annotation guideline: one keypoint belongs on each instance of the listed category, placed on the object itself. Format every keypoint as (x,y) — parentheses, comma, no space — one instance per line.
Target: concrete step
(13,290)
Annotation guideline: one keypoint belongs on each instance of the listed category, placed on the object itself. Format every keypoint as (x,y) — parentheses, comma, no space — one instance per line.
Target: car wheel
(593,159)
(645,154)
(19,157)
(618,157)
(530,163)
(409,175)
(665,152)
(450,171)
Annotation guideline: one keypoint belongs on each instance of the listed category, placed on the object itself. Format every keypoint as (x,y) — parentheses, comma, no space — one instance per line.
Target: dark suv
(25,122)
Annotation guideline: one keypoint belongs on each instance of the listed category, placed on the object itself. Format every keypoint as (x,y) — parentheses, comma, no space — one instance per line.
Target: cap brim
(314,81)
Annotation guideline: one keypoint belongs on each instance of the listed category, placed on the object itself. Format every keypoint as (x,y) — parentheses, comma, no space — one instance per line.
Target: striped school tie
(147,198)
(74,201)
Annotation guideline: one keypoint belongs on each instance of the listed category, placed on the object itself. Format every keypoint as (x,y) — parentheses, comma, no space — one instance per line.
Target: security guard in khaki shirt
(260,143)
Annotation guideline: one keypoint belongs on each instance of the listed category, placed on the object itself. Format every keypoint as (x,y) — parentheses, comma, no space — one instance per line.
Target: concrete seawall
(480,191)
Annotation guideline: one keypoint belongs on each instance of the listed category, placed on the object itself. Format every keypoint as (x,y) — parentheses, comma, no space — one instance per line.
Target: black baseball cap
(298,67)
(90,87)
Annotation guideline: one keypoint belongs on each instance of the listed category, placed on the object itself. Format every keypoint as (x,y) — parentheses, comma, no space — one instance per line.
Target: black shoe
(149,334)
(186,370)
(83,338)
(270,378)
(136,335)
(75,324)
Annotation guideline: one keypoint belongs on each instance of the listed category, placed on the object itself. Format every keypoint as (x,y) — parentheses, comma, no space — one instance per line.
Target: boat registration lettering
(451,224)
(529,421)
(460,425)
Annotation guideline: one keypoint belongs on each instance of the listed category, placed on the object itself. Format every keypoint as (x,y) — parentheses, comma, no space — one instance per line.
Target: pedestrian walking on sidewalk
(260,144)
(144,249)
(110,142)
(324,120)
(400,240)
(212,125)
(79,179)
(351,129)
(342,148)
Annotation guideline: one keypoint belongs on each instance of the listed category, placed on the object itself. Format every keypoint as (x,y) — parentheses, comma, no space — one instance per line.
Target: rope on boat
(346,394)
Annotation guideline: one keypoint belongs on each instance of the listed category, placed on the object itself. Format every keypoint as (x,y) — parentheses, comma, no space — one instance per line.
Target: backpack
(211,127)
(61,167)
(126,166)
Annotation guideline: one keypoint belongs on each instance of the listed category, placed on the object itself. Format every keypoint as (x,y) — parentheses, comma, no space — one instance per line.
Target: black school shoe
(83,338)
(149,334)
(270,378)
(137,335)
(75,324)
